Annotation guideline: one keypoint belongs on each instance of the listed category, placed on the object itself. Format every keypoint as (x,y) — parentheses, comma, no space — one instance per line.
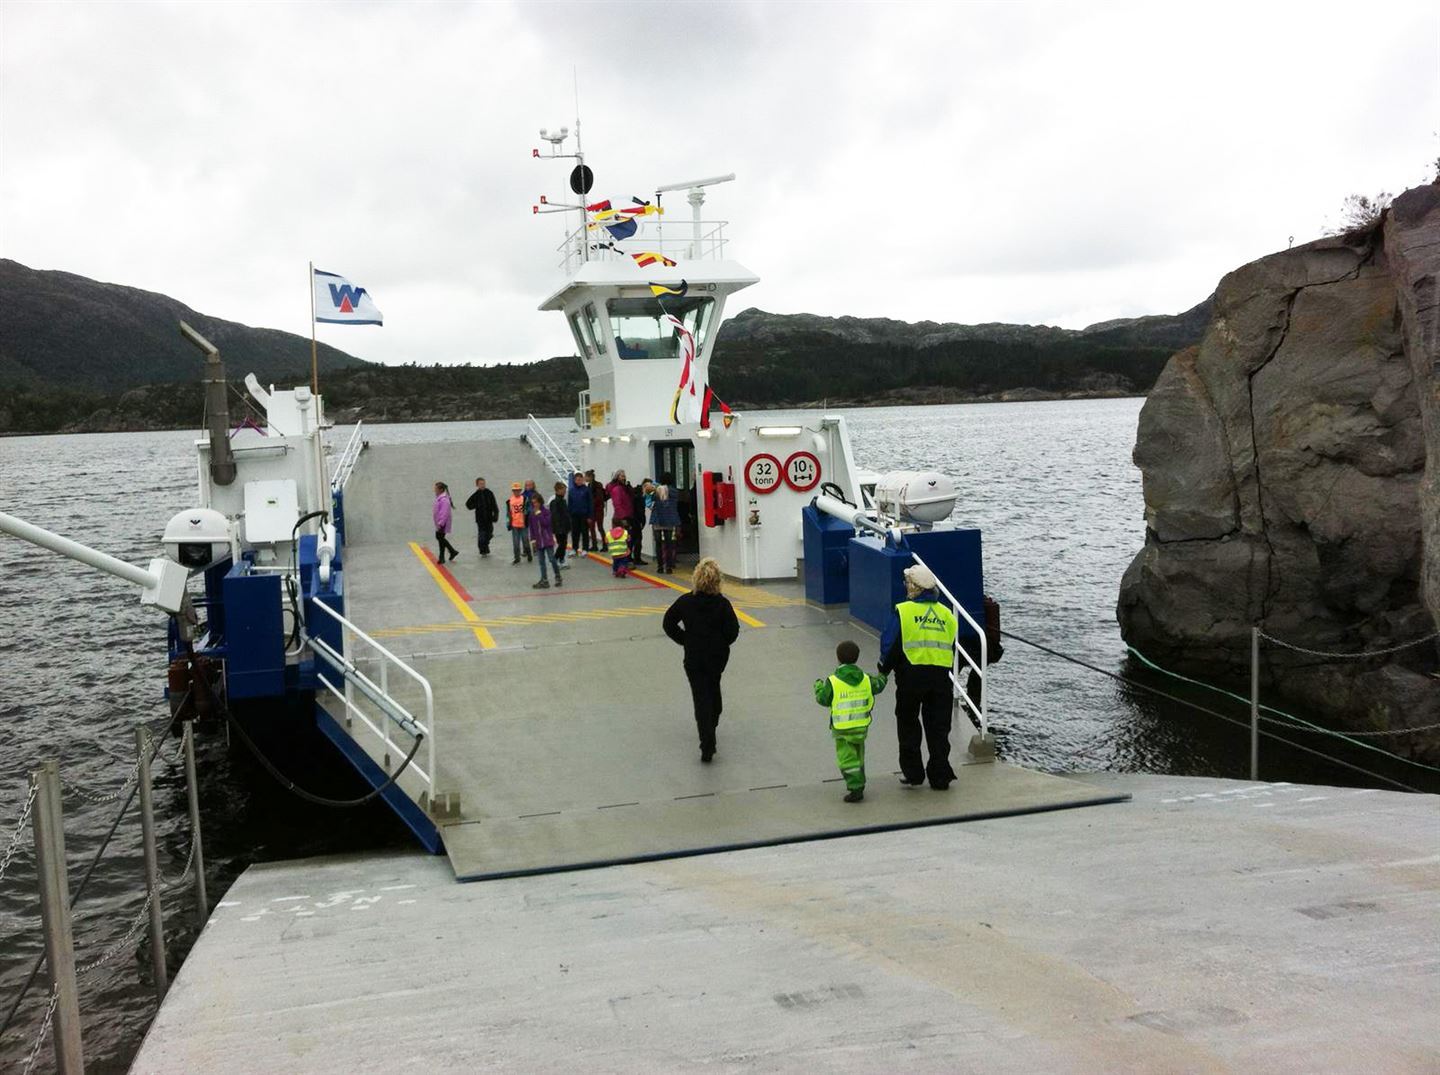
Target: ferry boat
(746,917)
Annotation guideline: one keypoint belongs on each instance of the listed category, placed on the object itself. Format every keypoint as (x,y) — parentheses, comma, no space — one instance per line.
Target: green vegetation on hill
(57,328)
(119,363)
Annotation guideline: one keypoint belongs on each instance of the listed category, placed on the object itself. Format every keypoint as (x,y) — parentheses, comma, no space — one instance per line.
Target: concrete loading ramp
(563,716)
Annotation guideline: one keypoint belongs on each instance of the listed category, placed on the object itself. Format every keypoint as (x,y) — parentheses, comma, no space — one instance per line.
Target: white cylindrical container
(915,496)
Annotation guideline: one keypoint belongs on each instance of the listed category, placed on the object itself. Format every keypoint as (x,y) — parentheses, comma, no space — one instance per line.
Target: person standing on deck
(665,520)
(577,499)
(441,513)
(704,622)
(517,511)
(560,523)
(918,644)
(487,513)
(598,497)
(635,524)
(542,536)
(617,490)
(849,694)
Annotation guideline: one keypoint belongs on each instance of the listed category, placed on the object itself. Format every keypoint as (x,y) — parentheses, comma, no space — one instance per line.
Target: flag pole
(314,359)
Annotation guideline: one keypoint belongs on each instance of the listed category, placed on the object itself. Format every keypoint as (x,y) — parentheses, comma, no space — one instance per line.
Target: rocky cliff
(1291,466)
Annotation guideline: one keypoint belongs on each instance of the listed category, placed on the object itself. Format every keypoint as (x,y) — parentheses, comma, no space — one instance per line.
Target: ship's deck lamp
(780,431)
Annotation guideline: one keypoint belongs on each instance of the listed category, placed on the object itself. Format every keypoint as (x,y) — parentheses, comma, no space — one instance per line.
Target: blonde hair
(913,590)
(707,576)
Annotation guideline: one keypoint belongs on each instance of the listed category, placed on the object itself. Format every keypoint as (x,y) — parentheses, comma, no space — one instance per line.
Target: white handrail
(380,692)
(959,693)
(554,456)
(346,464)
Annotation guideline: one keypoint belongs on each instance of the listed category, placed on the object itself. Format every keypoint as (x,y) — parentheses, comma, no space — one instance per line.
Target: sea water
(1051,485)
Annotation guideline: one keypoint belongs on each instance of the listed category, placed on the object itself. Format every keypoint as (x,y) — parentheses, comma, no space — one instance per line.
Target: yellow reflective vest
(850,707)
(927,632)
(618,546)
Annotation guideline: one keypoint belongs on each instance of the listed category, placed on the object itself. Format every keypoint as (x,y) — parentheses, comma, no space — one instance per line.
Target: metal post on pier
(1254,703)
(55,913)
(152,865)
(192,790)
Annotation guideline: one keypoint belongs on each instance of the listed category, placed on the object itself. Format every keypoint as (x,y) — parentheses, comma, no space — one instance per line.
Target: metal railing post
(152,865)
(55,912)
(1254,703)
(192,791)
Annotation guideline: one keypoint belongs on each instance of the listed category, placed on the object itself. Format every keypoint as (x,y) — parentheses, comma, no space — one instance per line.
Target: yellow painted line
(481,634)
(743,617)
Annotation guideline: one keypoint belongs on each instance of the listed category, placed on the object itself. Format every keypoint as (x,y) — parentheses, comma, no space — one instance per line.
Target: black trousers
(486,533)
(445,546)
(635,532)
(561,536)
(580,532)
(704,672)
(927,709)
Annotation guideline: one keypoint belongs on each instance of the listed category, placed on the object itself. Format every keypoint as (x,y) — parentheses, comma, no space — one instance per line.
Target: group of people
(573,519)
(916,646)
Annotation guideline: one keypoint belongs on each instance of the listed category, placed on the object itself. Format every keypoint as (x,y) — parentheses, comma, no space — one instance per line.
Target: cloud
(976,162)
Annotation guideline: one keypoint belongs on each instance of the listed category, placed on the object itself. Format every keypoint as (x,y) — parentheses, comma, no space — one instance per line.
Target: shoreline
(896,398)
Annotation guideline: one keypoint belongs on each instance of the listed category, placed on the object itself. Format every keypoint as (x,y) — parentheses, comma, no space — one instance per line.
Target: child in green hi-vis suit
(850,696)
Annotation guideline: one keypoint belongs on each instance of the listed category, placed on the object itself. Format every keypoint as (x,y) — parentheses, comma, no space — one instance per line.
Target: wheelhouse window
(642,330)
(596,333)
(582,338)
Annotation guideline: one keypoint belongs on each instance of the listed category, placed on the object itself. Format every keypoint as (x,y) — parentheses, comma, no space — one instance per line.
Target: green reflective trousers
(850,757)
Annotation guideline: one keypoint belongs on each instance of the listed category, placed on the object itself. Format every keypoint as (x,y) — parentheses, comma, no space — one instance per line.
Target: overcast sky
(1059,164)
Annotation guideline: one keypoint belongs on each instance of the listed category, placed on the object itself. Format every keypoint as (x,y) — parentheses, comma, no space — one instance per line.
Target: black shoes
(855,796)
(514,561)
(906,782)
(558,580)
(541,585)
(706,756)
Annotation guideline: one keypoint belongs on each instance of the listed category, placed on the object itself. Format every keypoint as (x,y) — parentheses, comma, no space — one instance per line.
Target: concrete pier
(1207,925)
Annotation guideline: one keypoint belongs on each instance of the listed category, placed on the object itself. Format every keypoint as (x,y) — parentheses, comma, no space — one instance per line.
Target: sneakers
(855,796)
(911,783)
(543,584)
(558,580)
(514,561)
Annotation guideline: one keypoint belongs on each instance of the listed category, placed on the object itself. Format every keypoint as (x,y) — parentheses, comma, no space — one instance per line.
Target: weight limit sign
(763,473)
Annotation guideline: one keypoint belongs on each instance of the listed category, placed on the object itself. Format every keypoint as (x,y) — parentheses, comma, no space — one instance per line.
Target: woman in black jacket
(705,624)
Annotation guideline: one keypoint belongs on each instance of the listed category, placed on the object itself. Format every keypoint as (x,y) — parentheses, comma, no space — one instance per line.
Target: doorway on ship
(676,459)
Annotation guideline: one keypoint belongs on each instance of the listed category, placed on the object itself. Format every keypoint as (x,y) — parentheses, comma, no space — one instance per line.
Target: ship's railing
(961,695)
(675,239)
(345,465)
(379,694)
(554,455)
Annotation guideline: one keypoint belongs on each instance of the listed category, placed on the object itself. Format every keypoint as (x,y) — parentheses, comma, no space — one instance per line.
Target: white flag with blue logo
(339,302)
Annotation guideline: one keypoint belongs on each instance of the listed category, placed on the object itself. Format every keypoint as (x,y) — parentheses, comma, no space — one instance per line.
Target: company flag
(339,302)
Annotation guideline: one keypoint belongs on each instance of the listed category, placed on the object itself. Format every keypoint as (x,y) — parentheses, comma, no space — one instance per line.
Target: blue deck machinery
(856,556)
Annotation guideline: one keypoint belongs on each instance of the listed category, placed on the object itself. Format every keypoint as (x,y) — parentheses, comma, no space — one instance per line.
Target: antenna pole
(580,163)
(314,359)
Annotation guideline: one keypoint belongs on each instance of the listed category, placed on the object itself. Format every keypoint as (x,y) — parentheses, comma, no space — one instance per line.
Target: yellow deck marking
(481,634)
(743,617)
(523,620)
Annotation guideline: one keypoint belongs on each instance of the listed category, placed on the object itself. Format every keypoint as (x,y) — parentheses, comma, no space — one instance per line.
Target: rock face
(1291,468)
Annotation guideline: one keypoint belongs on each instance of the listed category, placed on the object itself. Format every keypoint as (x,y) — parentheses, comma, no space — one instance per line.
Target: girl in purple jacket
(443,507)
(542,537)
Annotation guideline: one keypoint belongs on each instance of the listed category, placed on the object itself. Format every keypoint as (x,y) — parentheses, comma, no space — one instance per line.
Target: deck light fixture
(780,431)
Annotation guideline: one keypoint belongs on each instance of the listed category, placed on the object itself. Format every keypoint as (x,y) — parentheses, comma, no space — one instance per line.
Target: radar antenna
(696,198)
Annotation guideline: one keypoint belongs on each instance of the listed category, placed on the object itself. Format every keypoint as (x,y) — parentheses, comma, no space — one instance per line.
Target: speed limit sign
(802,472)
(763,473)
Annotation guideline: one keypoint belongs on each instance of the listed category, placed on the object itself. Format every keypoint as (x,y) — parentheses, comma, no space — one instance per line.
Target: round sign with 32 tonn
(802,472)
(763,473)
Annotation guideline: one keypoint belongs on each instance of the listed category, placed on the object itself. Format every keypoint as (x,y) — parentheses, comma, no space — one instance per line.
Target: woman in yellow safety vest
(918,645)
